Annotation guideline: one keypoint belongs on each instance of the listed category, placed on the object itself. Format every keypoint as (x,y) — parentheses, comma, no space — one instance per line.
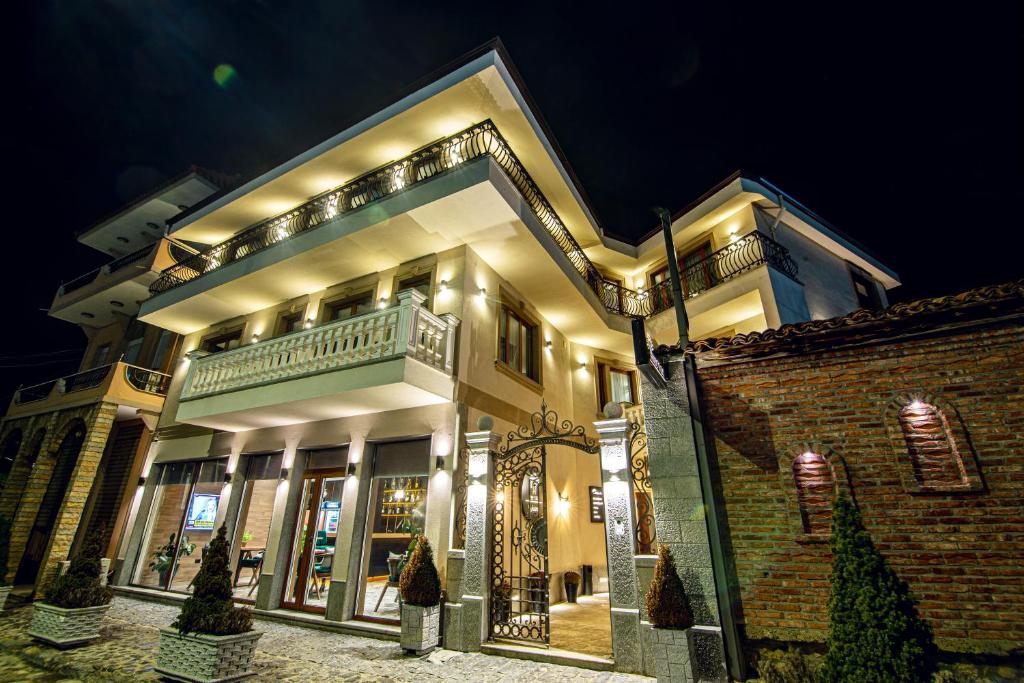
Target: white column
(472,614)
(341,600)
(620,526)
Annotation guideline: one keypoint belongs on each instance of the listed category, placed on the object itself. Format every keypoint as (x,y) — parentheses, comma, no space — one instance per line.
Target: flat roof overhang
(474,204)
(142,222)
(481,89)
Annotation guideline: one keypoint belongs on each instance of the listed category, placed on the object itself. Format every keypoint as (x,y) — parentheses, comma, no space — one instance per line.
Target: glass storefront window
(181,524)
(396,515)
(255,511)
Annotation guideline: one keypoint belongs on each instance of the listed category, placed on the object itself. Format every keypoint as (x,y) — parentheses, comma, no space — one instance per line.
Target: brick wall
(961,552)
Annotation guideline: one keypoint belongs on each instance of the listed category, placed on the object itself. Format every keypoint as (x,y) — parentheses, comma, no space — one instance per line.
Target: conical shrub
(667,603)
(80,585)
(419,582)
(210,609)
(875,633)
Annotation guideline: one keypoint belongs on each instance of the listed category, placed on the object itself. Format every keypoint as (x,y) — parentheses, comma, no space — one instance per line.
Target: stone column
(345,569)
(282,523)
(684,502)
(472,613)
(619,529)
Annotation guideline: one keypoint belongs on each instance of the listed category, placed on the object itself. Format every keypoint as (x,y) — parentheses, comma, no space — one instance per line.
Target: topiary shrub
(788,666)
(80,585)
(5,546)
(874,631)
(571,577)
(667,604)
(210,609)
(419,582)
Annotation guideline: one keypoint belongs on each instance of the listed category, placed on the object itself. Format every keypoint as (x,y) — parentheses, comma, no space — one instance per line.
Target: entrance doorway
(311,560)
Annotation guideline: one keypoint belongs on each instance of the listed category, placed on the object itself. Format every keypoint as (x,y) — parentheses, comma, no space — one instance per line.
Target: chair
(322,572)
(394,574)
(321,539)
(255,563)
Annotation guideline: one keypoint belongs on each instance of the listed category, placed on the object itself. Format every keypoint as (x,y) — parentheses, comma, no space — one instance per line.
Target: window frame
(328,307)
(605,366)
(402,278)
(235,332)
(858,276)
(281,325)
(529,343)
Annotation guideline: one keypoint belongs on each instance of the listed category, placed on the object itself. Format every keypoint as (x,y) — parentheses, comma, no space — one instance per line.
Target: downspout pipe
(682,322)
(778,216)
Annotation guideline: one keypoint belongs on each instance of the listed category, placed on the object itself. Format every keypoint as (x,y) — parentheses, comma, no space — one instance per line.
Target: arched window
(35,446)
(815,488)
(8,453)
(930,444)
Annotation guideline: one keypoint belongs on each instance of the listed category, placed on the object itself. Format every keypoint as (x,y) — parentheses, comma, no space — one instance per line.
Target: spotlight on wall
(383,302)
(443,287)
(284,472)
(308,324)
(227,477)
(547,344)
(351,469)
(142,481)
(482,293)
(562,505)
(439,462)
(255,337)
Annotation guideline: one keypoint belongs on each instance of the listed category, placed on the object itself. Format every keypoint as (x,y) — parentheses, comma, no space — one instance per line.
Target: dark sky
(902,126)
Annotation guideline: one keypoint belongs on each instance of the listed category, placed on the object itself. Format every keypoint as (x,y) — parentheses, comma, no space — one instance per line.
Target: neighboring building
(72,445)
(349,316)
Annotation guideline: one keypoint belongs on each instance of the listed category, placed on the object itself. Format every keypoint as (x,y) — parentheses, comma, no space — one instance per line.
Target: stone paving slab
(128,646)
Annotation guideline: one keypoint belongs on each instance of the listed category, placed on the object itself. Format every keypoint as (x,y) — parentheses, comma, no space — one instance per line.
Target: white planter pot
(65,627)
(420,627)
(672,663)
(4,592)
(202,658)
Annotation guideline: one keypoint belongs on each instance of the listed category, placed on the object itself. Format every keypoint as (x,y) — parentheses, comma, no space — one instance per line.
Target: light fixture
(400,494)
(562,505)
(142,481)
(916,404)
(227,477)
(284,472)
(733,229)
(439,462)
(255,337)
(482,293)
(583,365)
(547,343)
(308,324)
(351,469)
(382,303)
(443,287)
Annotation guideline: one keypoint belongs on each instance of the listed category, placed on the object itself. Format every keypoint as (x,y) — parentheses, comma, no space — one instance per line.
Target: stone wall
(961,551)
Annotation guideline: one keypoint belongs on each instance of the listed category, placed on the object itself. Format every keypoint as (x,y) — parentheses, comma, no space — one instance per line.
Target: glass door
(312,551)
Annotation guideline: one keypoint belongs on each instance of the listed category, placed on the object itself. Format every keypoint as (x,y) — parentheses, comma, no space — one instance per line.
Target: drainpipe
(682,322)
(778,216)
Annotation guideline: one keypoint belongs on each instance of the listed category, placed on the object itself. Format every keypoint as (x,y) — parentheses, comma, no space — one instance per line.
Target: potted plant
(5,544)
(246,537)
(571,580)
(164,557)
(668,610)
(421,597)
(211,640)
(75,602)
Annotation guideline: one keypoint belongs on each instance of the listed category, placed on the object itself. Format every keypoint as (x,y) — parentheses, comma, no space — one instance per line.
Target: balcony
(120,383)
(116,288)
(394,358)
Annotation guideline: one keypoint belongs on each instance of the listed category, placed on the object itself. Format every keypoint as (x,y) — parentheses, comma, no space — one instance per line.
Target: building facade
(352,330)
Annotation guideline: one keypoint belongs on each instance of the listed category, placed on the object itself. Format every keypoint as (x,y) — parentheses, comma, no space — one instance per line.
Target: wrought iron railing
(482,140)
(86,379)
(111,267)
(144,379)
(36,392)
(745,254)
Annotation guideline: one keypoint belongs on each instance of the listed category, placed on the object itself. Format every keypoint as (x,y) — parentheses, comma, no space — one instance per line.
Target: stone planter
(420,627)
(202,658)
(65,627)
(672,655)
(4,592)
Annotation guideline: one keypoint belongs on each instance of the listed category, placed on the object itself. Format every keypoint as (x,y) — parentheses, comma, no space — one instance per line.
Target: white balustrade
(407,329)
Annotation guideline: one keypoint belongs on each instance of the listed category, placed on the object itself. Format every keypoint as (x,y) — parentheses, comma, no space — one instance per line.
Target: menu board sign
(596,504)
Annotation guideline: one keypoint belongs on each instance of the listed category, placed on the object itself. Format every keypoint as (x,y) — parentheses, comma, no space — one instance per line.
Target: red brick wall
(962,553)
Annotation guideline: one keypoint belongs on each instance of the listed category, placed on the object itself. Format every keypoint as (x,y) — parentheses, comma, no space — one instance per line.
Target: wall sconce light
(443,287)
(383,302)
(227,477)
(562,505)
(142,481)
(284,472)
(439,462)
(255,337)
(582,365)
(547,344)
(482,293)
(308,324)
(351,471)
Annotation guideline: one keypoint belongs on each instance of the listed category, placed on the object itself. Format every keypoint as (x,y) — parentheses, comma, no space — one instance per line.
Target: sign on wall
(202,512)
(596,504)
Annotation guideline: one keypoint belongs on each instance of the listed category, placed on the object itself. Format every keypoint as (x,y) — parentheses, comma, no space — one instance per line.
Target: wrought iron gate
(520,597)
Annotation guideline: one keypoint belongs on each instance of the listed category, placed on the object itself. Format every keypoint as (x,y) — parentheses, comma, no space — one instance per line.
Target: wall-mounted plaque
(596,504)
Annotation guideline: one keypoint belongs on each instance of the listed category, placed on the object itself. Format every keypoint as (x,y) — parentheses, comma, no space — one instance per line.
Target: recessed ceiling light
(123,239)
(87,315)
(118,304)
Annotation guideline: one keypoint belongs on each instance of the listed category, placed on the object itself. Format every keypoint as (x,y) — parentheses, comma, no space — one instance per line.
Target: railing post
(410,301)
(452,325)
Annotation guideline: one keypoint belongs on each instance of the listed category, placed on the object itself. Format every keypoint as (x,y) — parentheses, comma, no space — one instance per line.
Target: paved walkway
(128,648)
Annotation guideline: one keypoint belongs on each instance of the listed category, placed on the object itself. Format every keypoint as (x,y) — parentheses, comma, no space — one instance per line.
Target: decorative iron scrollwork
(642,495)
(545,427)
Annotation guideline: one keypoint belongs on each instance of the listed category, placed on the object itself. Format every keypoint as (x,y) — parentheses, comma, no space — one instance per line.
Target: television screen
(202,512)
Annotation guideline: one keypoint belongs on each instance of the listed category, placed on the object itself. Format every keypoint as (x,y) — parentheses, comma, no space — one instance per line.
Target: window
(9,453)
(615,385)
(932,449)
(163,348)
(517,343)
(223,342)
(421,283)
(349,307)
(815,488)
(696,273)
(101,356)
(255,512)
(865,289)
(289,322)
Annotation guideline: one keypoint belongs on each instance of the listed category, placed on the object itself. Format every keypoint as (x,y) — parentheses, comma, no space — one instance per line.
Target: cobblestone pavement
(128,646)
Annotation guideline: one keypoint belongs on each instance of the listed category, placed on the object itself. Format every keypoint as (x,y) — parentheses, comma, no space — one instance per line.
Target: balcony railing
(482,140)
(142,379)
(747,253)
(111,267)
(406,330)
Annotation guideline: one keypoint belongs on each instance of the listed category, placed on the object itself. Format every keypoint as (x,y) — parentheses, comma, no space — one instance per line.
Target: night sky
(900,126)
